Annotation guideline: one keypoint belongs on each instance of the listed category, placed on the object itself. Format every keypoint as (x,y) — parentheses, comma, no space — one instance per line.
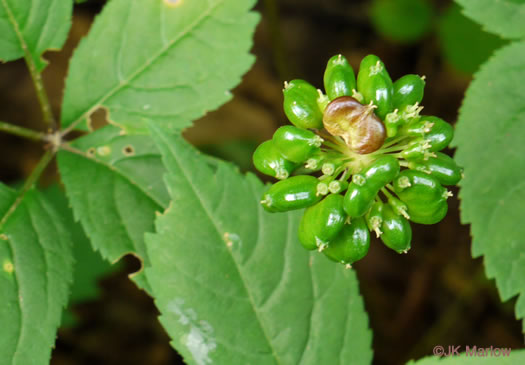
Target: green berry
(418,188)
(339,78)
(296,192)
(424,196)
(296,144)
(408,90)
(435,131)
(374,218)
(398,206)
(382,171)
(370,65)
(315,162)
(396,230)
(358,199)
(428,214)
(418,149)
(442,167)
(269,160)
(337,186)
(365,186)
(300,105)
(322,222)
(374,83)
(351,244)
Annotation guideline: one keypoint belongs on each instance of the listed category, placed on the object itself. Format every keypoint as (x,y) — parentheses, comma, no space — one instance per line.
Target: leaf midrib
(142,68)
(78,152)
(218,231)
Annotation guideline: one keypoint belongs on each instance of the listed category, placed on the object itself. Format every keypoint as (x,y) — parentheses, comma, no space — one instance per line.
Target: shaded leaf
(114,184)
(504,17)
(89,265)
(159,62)
(489,139)
(33,26)
(465,45)
(37,269)
(402,21)
(232,282)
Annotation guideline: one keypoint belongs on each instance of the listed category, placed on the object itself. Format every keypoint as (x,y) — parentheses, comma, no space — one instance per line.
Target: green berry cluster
(376,160)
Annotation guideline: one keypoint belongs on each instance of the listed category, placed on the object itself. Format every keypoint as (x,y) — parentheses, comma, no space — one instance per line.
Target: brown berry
(357,124)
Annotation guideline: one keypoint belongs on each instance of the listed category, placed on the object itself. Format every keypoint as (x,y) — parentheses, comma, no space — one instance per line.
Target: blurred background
(435,295)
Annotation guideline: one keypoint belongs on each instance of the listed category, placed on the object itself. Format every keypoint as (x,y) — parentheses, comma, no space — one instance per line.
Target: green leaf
(503,17)
(489,139)
(30,27)
(232,282)
(114,184)
(465,45)
(475,356)
(89,265)
(403,21)
(36,271)
(166,61)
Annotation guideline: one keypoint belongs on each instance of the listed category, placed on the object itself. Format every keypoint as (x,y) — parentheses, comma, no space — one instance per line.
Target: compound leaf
(489,140)
(114,184)
(233,284)
(166,61)
(30,27)
(504,17)
(36,271)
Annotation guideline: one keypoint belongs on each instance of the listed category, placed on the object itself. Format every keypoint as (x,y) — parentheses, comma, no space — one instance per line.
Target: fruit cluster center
(359,158)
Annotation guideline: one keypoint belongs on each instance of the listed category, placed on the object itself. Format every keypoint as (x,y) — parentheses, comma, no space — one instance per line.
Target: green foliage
(89,265)
(504,17)
(158,62)
(489,142)
(516,357)
(232,282)
(402,21)
(36,271)
(114,184)
(30,27)
(465,45)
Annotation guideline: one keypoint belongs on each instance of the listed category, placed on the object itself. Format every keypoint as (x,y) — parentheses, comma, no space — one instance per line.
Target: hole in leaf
(128,150)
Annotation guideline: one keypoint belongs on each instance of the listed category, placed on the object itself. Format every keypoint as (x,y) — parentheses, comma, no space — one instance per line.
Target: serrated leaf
(114,184)
(32,27)
(504,17)
(489,139)
(166,61)
(233,284)
(465,45)
(476,356)
(36,271)
(89,265)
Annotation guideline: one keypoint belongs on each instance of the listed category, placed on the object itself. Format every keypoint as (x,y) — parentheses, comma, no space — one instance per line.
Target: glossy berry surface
(359,158)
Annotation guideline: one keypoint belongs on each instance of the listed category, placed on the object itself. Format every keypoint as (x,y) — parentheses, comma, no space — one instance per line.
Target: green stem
(45,106)
(47,113)
(395,140)
(31,180)
(22,132)
(334,146)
